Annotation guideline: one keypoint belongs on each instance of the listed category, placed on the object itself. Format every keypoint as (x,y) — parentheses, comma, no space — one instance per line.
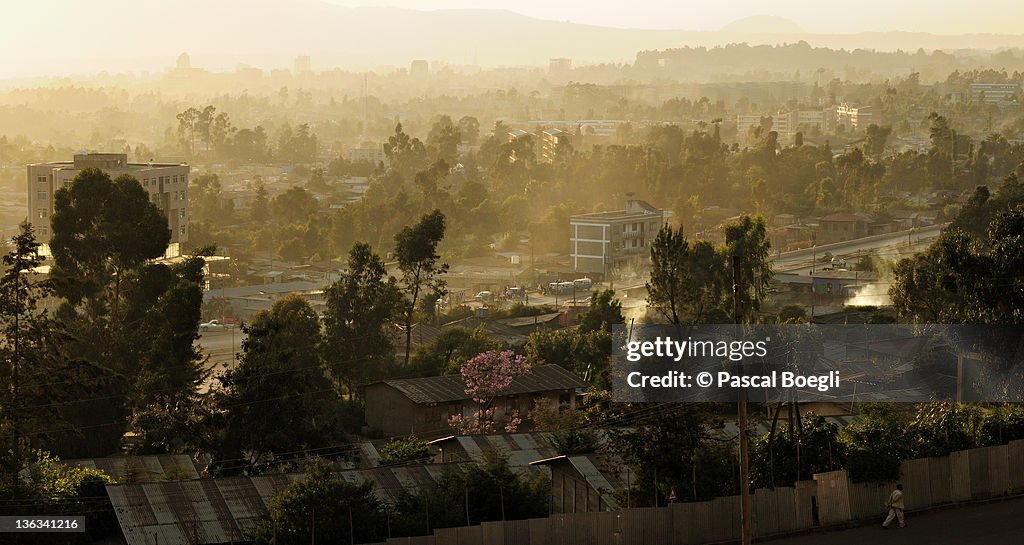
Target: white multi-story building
(166,183)
(994,92)
(786,124)
(602,242)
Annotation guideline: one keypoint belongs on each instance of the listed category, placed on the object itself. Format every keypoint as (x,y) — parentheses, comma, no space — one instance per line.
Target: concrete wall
(962,476)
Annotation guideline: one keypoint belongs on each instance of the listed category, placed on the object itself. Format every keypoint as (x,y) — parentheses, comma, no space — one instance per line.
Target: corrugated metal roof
(452,388)
(208,511)
(526,321)
(846,217)
(196,511)
(605,473)
(520,448)
(146,468)
(591,473)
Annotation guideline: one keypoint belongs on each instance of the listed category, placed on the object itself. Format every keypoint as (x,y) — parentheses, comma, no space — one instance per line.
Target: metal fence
(831,498)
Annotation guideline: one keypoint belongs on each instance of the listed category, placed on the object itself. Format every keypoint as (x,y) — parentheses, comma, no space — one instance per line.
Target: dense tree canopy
(279,401)
(102,229)
(362,307)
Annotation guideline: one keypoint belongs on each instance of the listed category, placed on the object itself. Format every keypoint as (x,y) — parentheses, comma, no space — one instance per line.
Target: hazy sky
(84,36)
(936,16)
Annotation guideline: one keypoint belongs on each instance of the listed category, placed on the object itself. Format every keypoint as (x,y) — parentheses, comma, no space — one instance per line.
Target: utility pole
(351,530)
(742,420)
(952,158)
(814,261)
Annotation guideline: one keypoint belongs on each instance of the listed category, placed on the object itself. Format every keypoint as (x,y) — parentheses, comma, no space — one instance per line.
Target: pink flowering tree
(489,375)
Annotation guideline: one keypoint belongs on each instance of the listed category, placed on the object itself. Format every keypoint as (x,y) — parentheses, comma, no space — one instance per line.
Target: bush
(775,460)
(876,444)
(337,504)
(406,451)
(49,487)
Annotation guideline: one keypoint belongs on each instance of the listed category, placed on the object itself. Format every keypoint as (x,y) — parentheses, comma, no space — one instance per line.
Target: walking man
(895,507)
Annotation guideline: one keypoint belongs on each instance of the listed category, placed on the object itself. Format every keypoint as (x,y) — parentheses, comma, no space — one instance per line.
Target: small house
(424,406)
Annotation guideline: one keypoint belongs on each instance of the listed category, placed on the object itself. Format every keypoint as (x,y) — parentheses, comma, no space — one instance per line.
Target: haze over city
(438,272)
(361,35)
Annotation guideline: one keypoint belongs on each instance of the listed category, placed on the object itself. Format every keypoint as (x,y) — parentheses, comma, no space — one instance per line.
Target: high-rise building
(419,68)
(166,183)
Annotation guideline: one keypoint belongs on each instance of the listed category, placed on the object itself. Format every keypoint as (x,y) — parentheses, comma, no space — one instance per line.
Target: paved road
(888,247)
(996,523)
(219,346)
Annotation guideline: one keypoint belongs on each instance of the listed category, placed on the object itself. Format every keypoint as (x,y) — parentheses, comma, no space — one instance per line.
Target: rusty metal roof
(544,378)
(195,512)
(208,511)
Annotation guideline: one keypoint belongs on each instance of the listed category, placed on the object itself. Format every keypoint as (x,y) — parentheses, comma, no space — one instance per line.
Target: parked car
(483,296)
(212,325)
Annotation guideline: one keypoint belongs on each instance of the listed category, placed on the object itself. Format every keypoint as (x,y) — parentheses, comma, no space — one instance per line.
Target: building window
(44,231)
(174,180)
(41,179)
(181,229)
(42,196)
(183,179)
(42,213)
(181,213)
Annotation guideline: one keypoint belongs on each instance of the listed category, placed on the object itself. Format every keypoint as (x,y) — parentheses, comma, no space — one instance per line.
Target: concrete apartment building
(786,124)
(166,183)
(856,118)
(370,153)
(549,142)
(994,92)
(602,242)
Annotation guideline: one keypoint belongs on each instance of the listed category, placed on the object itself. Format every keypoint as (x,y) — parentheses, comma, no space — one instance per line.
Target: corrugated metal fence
(831,498)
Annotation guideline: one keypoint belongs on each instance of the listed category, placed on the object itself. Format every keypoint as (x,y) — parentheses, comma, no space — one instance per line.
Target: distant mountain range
(761,24)
(121,35)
